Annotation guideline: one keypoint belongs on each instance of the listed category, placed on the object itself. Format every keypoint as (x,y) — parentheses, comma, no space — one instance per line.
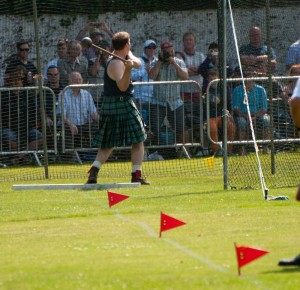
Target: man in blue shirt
(293,55)
(258,106)
(143,94)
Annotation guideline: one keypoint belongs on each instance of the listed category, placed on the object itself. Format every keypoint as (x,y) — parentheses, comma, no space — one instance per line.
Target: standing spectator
(78,112)
(167,101)
(72,62)
(120,123)
(211,62)
(254,55)
(53,82)
(96,67)
(94,29)
(258,105)
(192,59)
(143,94)
(22,58)
(61,53)
(293,55)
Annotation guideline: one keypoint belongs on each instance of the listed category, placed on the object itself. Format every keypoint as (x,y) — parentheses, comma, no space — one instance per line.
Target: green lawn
(73,240)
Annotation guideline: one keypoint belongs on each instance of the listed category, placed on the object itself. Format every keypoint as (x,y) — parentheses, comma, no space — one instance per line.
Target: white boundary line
(175,244)
(74,186)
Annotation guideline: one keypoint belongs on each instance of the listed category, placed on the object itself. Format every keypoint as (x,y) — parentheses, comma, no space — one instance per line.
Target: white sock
(136,167)
(97,164)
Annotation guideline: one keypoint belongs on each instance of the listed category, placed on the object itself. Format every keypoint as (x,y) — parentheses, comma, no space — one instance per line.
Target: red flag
(168,222)
(114,198)
(246,255)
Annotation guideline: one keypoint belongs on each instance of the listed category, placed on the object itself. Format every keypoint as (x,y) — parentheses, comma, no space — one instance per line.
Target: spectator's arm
(154,71)
(258,113)
(181,69)
(95,116)
(93,67)
(73,128)
(181,72)
(248,60)
(83,32)
(105,27)
(203,67)
(238,113)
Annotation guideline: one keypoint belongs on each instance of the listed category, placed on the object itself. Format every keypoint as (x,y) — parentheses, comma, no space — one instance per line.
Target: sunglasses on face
(151,47)
(24,49)
(53,75)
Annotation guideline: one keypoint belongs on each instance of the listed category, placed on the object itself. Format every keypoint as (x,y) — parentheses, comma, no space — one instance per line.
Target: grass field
(73,240)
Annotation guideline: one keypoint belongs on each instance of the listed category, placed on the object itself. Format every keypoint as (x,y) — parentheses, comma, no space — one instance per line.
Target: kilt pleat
(120,124)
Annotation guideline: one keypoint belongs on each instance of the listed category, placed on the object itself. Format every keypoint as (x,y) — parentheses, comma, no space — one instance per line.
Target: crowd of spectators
(164,107)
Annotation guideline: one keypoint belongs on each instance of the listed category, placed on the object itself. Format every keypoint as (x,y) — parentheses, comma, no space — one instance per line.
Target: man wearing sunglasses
(143,94)
(22,58)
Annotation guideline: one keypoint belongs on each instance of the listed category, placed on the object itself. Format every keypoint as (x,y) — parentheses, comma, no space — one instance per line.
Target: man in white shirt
(294,102)
(78,114)
(295,112)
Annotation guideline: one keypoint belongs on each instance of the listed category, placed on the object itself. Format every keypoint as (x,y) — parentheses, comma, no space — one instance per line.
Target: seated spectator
(293,55)
(211,61)
(19,113)
(167,101)
(79,111)
(94,29)
(143,94)
(72,62)
(21,58)
(18,72)
(254,56)
(216,111)
(61,53)
(258,106)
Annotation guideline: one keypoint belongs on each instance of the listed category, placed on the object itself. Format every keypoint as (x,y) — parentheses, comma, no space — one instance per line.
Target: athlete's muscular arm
(120,72)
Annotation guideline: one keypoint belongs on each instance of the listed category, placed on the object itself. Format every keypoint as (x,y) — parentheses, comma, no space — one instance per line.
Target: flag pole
(160,224)
(238,263)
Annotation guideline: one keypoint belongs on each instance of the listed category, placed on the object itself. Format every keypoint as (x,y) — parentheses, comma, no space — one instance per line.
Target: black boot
(137,177)
(93,175)
(293,262)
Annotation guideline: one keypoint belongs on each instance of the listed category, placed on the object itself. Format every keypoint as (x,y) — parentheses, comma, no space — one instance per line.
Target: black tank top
(111,88)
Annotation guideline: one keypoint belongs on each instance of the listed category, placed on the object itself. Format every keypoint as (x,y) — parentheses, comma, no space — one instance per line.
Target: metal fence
(181,128)
(281,129)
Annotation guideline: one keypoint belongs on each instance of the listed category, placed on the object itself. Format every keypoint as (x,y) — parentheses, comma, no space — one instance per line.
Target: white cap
(149,42)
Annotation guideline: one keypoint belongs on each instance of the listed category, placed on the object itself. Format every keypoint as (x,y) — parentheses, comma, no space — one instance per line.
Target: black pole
(222,10)
(270,85)
(39,79)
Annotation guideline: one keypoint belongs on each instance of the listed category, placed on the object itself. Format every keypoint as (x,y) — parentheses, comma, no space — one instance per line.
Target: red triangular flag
(114,198)
(246,255)
(168,222)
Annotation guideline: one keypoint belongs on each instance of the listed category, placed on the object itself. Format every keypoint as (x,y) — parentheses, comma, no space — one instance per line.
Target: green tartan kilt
(120,124)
